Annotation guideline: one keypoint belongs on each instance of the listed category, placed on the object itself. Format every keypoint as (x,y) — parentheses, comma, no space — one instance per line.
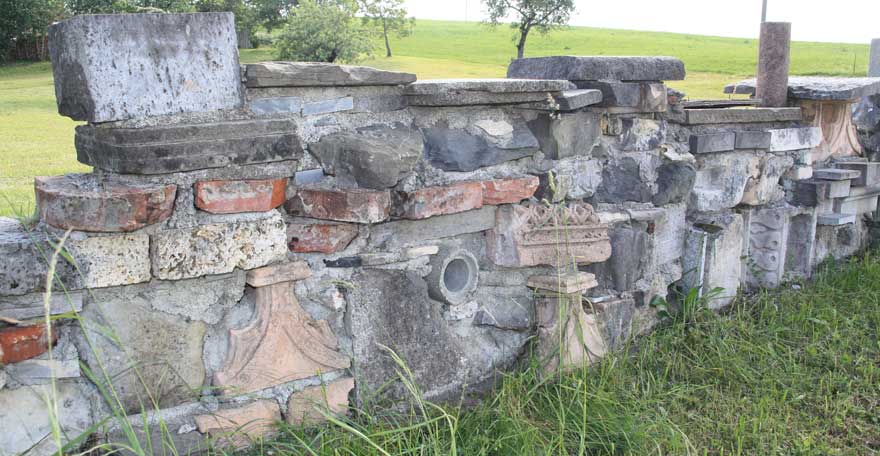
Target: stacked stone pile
(255,235)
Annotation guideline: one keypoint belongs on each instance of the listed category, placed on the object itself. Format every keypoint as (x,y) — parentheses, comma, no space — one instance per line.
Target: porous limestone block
(111,67)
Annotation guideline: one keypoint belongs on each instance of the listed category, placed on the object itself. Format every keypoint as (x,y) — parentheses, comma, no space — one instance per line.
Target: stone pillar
(773,62)
(874,62)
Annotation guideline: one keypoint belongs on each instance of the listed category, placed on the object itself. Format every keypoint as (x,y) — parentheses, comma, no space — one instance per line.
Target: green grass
(36,141)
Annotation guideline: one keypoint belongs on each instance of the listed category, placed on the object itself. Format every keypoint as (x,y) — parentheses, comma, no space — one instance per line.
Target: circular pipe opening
(456,275)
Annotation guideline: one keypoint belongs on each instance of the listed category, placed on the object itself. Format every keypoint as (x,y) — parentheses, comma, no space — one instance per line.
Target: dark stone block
(713,142)
(598,68)
(344,262)
(674,183)
(622,182)
(460,150)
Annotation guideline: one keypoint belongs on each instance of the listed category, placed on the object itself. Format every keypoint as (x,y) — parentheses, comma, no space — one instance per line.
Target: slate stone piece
(110,67)
(276,105)
(742,115)
(675,181)
(598,68)
(484,144)
(328,106)
(466,92)
(712,142)
(317,74)
(175,148)
(375,157)
(752,140)
(817,87)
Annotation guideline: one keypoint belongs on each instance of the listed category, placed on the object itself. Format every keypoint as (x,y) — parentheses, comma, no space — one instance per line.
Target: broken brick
(504,191)
(445,199)
(234,196)
(320,237)
(20,343)
(343,205)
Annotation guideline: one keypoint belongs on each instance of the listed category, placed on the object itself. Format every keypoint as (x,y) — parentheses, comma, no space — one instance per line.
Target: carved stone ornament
(835,119)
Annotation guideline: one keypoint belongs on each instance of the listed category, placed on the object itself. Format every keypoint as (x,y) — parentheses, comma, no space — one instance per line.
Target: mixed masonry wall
(252,240)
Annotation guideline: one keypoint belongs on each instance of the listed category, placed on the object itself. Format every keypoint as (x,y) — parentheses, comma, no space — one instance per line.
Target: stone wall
(255,239)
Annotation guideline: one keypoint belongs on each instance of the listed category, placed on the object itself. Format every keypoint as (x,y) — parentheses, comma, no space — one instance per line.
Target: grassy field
(36,141)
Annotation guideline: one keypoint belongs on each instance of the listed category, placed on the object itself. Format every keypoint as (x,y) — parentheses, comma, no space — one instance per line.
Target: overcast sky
(850,21)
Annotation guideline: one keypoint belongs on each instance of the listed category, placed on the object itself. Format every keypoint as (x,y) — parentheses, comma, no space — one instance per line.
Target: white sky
(849,21)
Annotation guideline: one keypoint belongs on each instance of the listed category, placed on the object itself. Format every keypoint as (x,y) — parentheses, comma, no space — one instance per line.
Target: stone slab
(835,219)
(500,85)
(712,142)
(318,74)
(485,143)
(27,425)
(870,172)
(110,67)
(332,105)
(786,139)
(439,200)
(276,105)
(753,139)
(741,115)
(185,147)
(31,306)
(409,232)
(598,68)
(817,87)
(623,97)
(836,174)
(563,283)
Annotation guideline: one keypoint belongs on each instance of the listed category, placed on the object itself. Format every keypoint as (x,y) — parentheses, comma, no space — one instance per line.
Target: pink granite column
(773,62)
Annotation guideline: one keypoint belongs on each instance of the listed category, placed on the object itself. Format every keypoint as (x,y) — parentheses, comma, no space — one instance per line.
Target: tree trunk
(521,45)
(385,32)
(244,39)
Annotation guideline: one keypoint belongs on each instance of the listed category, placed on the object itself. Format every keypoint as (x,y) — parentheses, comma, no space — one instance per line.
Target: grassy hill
(37,141)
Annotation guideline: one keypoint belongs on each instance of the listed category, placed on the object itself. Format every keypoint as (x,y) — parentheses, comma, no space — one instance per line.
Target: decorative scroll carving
(841,139)
(767,244)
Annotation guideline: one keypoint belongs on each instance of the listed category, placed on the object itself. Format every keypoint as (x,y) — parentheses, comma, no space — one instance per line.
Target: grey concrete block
(317,74)
(598,68)
(712,142)
(111,67)
(752,140)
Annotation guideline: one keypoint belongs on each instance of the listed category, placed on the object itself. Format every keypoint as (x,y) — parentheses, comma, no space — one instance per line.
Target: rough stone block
(315,74)
(185,147)
(485,143)
(19,343)
(836,174)
(26,422)
(218,248)
(564,283)
(376,157)
(799,173)
(721,180)
(304,407)
(240,427)
(713,142)
(870,172)
(87,202)
(598,68)
(765,188)
(441,200)
(566,134)
(567,101)
(466,92)
(640,135)
(235,196)
(742,115)
(753,139)
(278,273)
(861,200)
(111,67)
(835,219)
(509,190)
(675,180)
(343,205)
(794,138)
(622,181)
(623,97)
(320,237)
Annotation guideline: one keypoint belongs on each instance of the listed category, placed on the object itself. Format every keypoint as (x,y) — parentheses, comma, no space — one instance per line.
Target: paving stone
(566,134)
(315,108)
(598,68)
(314,74)
(441,200)
(675,180)
(509,190)
(624,97)
(870,172)
(835,219)
(817,87)
(276,105)
(712,142)
(376,157)
(753,139)
(278,273)
(31,306)
(401,233)
(173,148)
(304,407)
(87,202)
(343,205)
(235,196)
(320,237)
(485,143)
(794,138)
(218,248)
(242,426)
(742,115)
(836,174)
(104,71)
(27,425)
(280,345)
(19,343)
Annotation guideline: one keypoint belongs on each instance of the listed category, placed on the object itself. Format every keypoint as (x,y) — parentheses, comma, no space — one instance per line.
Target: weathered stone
(566,134)
(639,135)
(18,343)
(742,115)
(765,188)
(454,276)
(104,71)
(836,174)
(818,87)
(147,355)
(870,172)
(598,68)
(675,180)
(509,190)
(241,426)
(278,273)
(712,257)
(276,105)
(568,338)
(235,196)
(874,60)
(332,105)
(218,248)
(774,58)
(27,424)
(564,283)
(621,181)
(320,237)
(621,97)
(204,299)
(861,200)
(280,345)
(87,202)
(554,187)
(465,92)
(173,148)
(765,259)
(304,408)
(375,157)
(383,258)
(345,262)
(409,232)
(40,371)
(794,138)
(28,307)
(441,200)
(721,180)
(753,139)
(531,235)
(836,219)
(314,74)
(567,101)
(344,205)
(713,142)
(799,172)
(485,143)
(813,192)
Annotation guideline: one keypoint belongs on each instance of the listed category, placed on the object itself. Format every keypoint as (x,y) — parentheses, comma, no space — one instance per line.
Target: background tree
(23,26)
(543,15)
(273,13)
(390,17)
(246,19)
(327,31)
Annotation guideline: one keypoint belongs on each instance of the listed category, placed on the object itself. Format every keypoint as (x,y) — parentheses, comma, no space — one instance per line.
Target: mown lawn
(36,141)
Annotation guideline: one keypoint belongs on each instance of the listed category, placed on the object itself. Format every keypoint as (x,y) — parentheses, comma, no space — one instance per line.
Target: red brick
(445,199)
(233,196)
(320,237)
(86,202)
(342,205)
(23,342)
(513,190)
